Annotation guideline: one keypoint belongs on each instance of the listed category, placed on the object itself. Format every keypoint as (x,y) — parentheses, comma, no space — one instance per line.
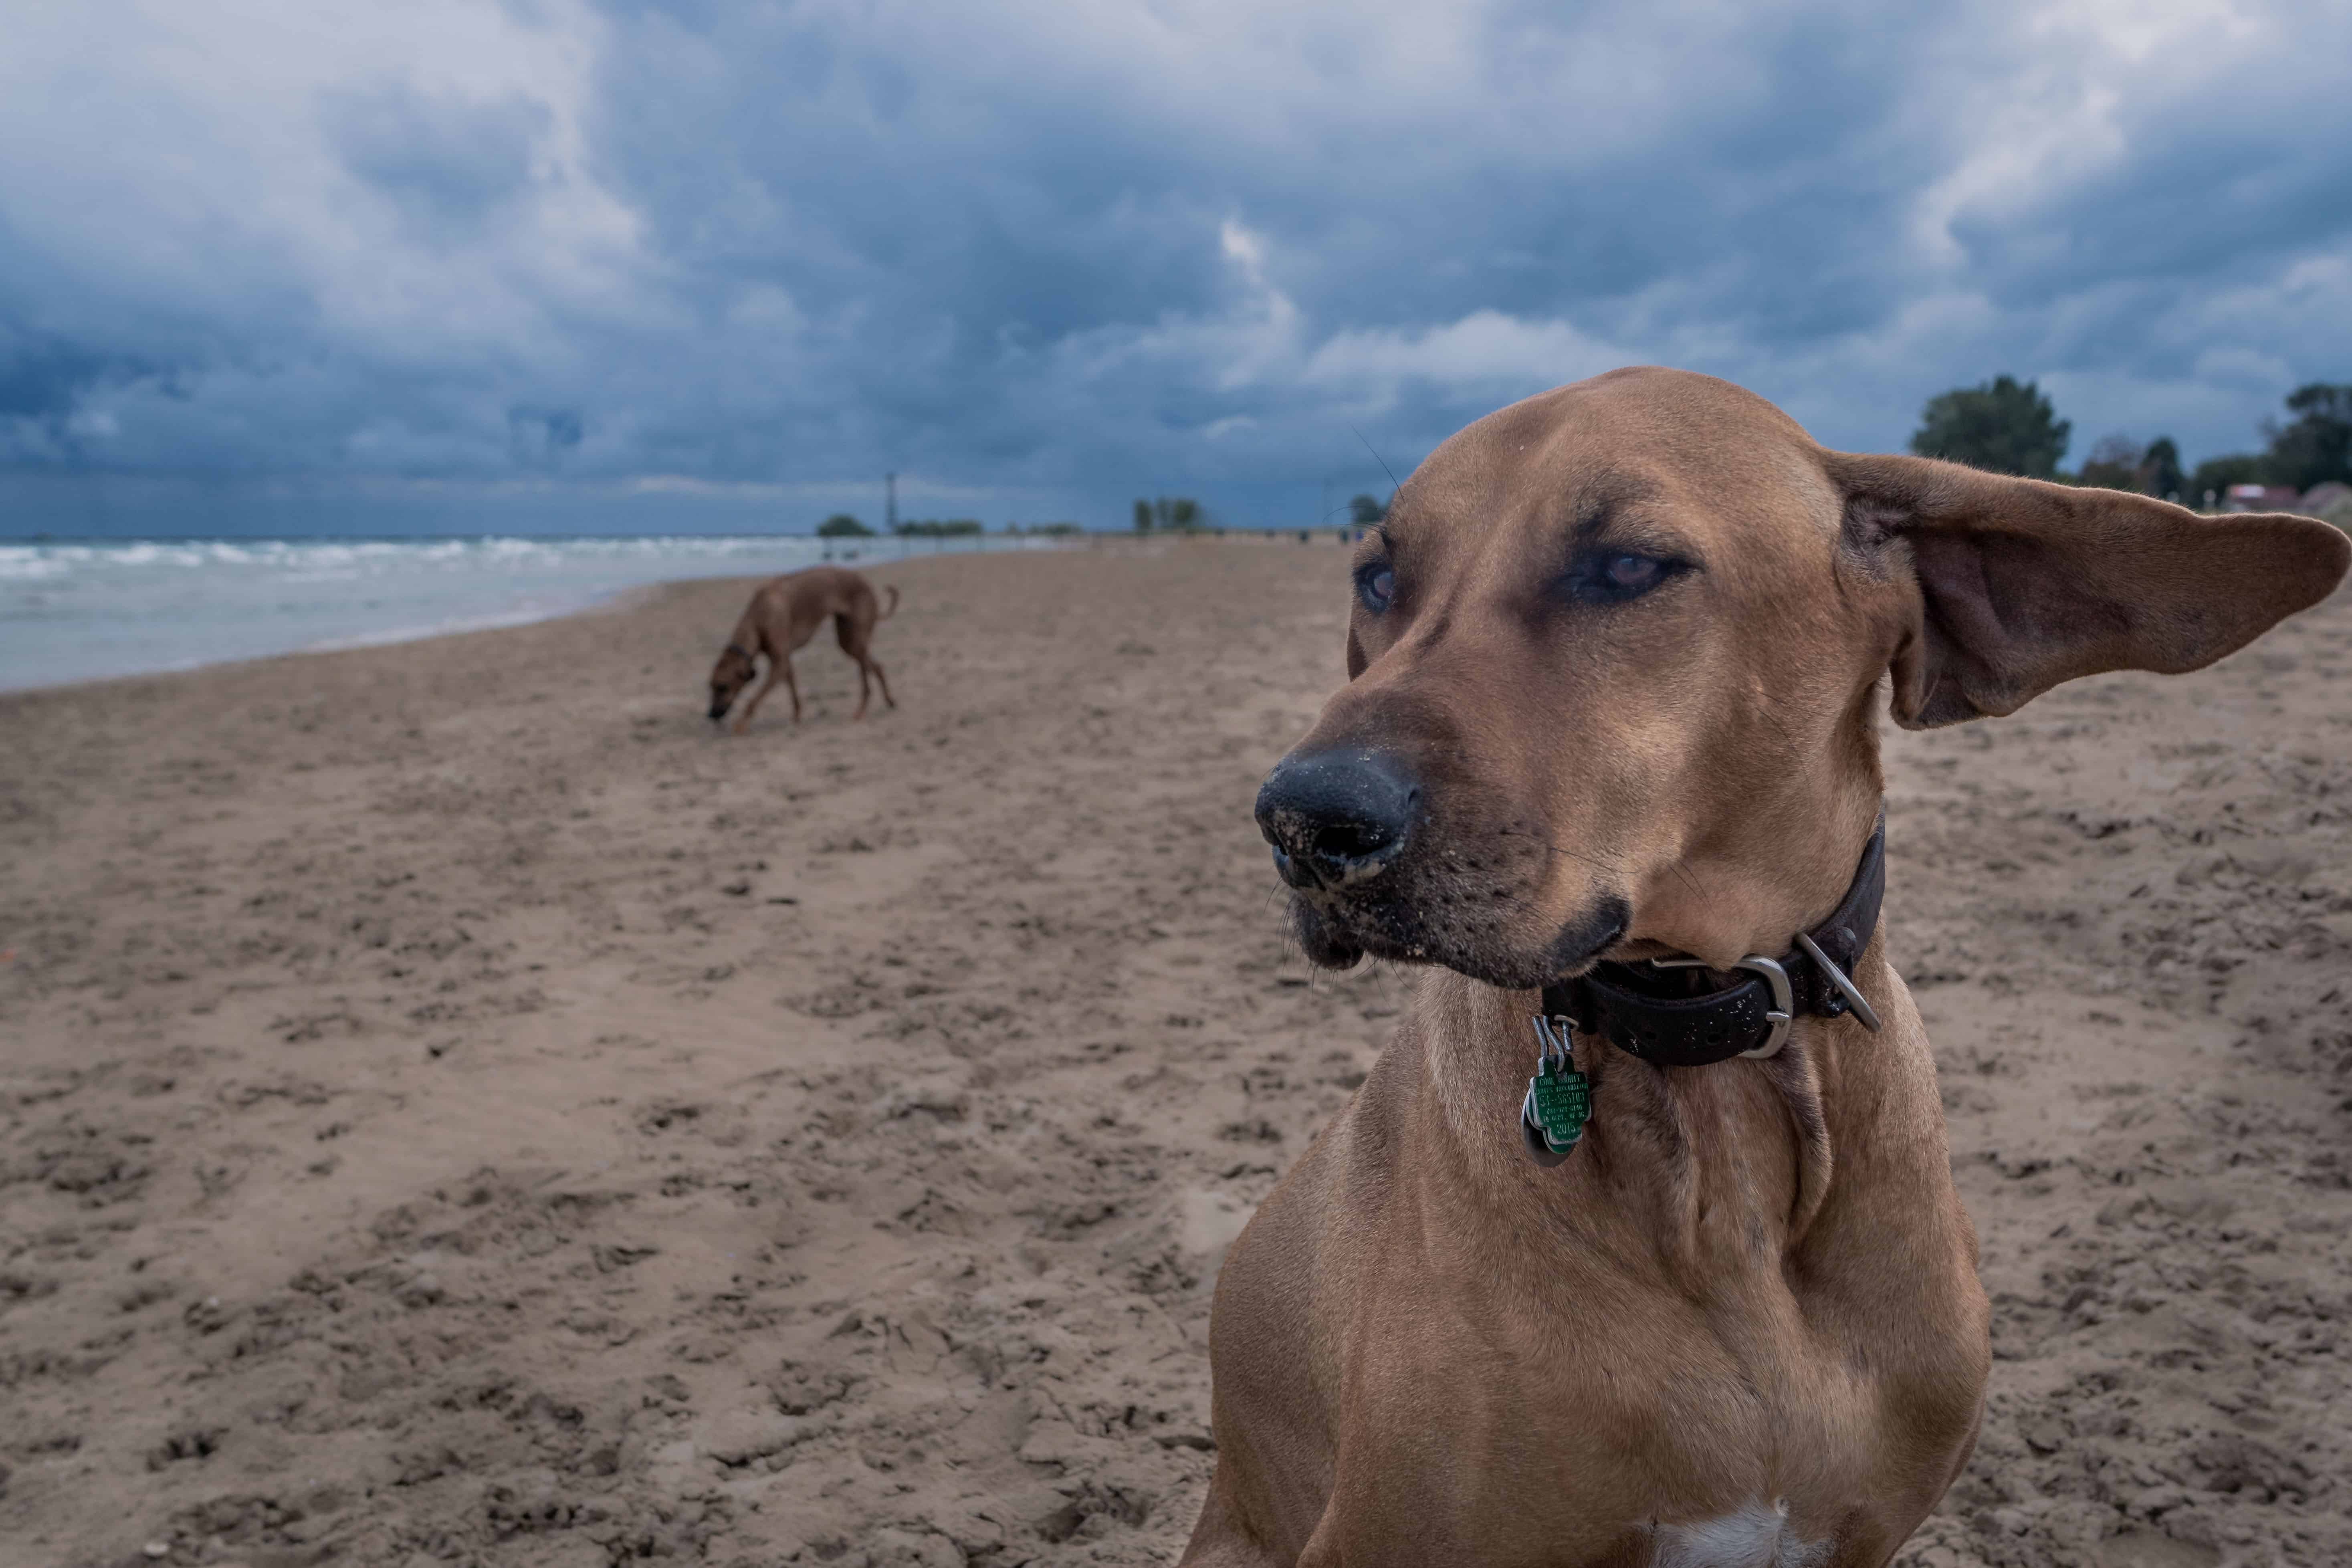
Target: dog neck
(1712,1171)
(1706,1167)
(1674,1011)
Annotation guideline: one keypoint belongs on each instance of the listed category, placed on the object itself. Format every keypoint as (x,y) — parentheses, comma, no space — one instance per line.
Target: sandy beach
(456,1108)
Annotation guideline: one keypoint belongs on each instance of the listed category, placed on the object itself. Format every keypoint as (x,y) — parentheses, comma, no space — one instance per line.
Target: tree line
(1162,514)
(2011,427)
(2005,426)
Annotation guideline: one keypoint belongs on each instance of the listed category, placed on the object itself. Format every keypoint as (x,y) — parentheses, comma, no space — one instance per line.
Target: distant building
(2261,497)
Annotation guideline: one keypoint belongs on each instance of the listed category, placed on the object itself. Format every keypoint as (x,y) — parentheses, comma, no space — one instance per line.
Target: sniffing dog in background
(782,615)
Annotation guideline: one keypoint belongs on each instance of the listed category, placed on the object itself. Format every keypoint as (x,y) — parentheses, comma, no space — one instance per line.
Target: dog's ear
(2010,586)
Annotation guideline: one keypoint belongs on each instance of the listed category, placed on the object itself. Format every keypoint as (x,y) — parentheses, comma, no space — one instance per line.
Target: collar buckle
(1783,1011)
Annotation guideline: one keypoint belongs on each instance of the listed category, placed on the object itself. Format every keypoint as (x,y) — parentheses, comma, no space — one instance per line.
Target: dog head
(1615,664)
(729,677)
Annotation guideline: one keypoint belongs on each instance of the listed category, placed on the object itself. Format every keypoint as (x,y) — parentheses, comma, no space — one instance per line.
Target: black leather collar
(1647,1010)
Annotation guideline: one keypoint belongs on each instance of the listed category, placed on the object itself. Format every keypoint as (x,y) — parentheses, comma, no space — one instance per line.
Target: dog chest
(1635,1435)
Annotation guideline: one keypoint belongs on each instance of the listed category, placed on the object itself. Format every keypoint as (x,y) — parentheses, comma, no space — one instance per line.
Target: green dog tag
(1562,1099)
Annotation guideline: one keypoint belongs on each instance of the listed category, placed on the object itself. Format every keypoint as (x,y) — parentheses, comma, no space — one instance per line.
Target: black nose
(1337,817)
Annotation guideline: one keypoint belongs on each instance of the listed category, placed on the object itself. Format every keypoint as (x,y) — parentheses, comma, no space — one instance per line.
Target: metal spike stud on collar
(1624,1004)
(1842,980)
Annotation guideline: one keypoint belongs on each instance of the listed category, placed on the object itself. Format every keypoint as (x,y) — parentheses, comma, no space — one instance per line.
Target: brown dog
(782,615)
(1615,666)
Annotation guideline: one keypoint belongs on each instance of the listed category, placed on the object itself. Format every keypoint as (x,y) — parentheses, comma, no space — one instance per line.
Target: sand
(455,1107)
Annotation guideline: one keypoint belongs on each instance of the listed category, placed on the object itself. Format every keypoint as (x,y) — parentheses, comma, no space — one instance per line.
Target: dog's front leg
(1220,1539)
(776,667)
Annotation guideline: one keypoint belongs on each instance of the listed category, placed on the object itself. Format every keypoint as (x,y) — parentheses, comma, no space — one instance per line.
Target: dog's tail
(892,607)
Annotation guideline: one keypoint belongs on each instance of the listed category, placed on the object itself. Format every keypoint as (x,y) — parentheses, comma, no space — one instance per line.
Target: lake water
(85,610)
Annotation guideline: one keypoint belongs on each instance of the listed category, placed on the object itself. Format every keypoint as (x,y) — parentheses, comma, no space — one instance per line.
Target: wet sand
(455,1107)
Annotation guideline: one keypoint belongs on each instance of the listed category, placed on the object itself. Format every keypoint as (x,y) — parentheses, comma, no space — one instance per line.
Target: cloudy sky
(715,263)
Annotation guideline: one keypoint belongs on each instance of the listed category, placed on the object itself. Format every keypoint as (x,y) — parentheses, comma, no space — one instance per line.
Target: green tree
(2318,447)
(841,525)
(2005,426)
(1177,514)
(1365,510)
(2159,471)
(950,527)
(2114,464)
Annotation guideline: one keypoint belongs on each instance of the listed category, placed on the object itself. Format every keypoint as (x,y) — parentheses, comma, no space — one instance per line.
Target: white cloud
(1480,351)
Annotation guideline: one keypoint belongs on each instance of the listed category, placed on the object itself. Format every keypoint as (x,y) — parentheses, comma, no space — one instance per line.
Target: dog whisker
(1394,484)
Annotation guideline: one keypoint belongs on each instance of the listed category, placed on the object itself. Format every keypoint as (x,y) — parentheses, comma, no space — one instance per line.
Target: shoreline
(110,610)
(605,599)
(617,600)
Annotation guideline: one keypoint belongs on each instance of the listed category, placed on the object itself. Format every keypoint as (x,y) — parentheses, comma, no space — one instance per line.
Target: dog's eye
(1376,585)
(1633,573)
(1615,576)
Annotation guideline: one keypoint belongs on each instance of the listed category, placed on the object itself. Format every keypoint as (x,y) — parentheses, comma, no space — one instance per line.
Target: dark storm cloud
(540,437)
(446,162)
(1031,247)
(42,379)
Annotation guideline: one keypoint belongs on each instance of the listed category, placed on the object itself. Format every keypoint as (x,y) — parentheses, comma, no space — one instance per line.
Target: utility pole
(890,502)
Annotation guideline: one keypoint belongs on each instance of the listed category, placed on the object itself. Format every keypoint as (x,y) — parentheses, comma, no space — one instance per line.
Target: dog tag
(1559,1102)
